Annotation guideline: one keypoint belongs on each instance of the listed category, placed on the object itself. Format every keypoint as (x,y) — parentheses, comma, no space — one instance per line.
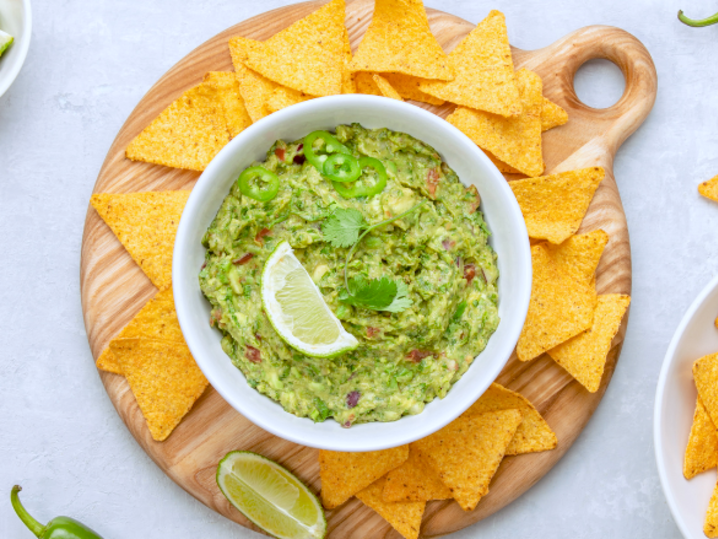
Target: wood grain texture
(114,288)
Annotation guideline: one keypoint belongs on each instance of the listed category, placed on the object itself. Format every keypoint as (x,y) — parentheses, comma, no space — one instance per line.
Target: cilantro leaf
(342,227)
(400,301)
(376,294)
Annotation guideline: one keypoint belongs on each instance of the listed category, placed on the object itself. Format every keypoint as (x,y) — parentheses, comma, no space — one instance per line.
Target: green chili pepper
(257,192)
(343,168)
(713,19)
(360,187)
(57,528)
(325,142)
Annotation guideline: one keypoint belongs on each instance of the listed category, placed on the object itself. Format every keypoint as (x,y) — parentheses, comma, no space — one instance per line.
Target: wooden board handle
(568,54)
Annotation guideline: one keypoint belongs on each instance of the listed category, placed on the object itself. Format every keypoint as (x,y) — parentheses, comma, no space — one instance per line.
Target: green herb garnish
(346,228)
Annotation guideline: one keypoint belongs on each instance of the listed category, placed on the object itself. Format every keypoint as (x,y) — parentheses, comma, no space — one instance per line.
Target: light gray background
(89,64)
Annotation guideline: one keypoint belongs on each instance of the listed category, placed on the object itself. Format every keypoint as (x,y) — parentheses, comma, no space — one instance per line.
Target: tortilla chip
(254,88)
(584,356)
(345,474)
(709,189)
(560,307)
(283,97)
(532,435)
(156,320)
(467,452)
(308,56)
(552,115)
(403,517)
(146,225)
(365,84)
(710,527)
(235,113)
(517,140)
(579,255)
(702,449)
(484,71)
(399,40)
(705,376)
(164,378)
(408,88)
(187,134)
(553,206)
(503,167)
(385,88)
(414,481)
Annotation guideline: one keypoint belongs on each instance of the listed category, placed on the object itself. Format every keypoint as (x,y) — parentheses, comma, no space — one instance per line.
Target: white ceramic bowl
(16,20)
(695,337)
(503,216)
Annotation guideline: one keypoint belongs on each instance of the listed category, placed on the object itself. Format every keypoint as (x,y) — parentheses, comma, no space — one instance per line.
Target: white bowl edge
(305,117)
(672,419)
(12,61)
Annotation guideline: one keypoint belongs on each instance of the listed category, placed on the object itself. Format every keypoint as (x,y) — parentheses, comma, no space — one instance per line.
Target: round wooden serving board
(114,288)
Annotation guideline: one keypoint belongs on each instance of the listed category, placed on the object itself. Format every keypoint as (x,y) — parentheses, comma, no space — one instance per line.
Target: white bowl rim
(368,442)
(668,360)
(24,47)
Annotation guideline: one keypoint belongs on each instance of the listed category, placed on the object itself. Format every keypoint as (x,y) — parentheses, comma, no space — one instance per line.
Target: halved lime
(270,496)
(297,310)
(5,41)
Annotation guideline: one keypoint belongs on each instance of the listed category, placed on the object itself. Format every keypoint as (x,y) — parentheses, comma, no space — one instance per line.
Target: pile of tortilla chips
(566,317)
(502,111)
(150,351)
(702,449)
(456,462)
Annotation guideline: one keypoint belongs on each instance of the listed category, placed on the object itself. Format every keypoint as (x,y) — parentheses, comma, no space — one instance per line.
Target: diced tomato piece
(261,234)
(417,355)
(469,273)
(242,259)
(279,152)
(432,181)
(253,354)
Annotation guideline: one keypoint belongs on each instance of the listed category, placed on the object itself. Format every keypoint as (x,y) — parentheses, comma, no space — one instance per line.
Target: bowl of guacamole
(459,259)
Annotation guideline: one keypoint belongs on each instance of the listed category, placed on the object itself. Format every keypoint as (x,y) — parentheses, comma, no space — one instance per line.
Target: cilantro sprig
(346,228)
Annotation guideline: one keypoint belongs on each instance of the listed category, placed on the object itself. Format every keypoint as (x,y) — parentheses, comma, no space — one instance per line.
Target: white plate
(16,20)
(695,337)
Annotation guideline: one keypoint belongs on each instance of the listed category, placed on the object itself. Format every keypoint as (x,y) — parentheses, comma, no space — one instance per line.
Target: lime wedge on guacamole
(297,310)
(5,41)
(270,496)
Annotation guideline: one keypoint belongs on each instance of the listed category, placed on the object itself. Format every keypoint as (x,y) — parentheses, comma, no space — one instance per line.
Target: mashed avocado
(440,251)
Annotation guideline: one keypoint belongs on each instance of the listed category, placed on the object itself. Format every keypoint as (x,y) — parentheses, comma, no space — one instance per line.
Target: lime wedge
(297,310)
(270,496)
(5,41)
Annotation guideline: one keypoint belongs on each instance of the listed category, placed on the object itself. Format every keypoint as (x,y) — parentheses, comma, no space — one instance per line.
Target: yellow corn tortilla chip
(532,435)
(467,452)
(399,40)
(385,88)
(702,449)
(552,115)
(254,88)
(345,474)
(235,113)
(503,167)
(579,255)
(308,56)
(283,97)
(408,88)
(156,320)
(710,526)
(365,84)
(403,517)
(146,225)
(560,307)
(163,377)
(709,189)
(553,206)
(584,356)
(414,481)
(484,71)
(705,376)
(187,134)
(516,140)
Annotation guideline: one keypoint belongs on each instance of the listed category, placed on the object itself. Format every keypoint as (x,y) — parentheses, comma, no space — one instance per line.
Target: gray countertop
(89,64)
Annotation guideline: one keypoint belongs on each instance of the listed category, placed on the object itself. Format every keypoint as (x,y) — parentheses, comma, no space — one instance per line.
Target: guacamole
(440,251)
